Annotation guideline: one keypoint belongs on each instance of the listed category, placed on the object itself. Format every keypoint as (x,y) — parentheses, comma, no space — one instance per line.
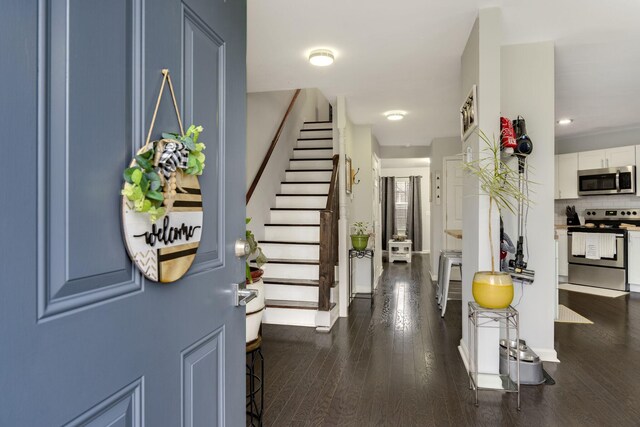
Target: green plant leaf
(147,154)
(155,213)
(144,184)
(188,142)
(136,176)
(171,136)
(144,163)
(127,174)
(155,185)
(155,195)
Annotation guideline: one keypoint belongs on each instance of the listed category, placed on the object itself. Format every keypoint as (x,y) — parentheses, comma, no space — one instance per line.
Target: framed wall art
(469,114)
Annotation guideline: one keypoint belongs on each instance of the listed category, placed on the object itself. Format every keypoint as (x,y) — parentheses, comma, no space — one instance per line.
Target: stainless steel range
(608,271)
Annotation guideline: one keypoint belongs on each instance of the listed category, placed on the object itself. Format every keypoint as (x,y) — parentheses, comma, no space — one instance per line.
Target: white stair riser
(304,188)
(292,234)
(318,202)
(308,176)
(315,143)
(282,251)
(291,293)
(316,134)
(313,154)
(289,316)
(291,271)
(310,164)
(295,217)
(317,126)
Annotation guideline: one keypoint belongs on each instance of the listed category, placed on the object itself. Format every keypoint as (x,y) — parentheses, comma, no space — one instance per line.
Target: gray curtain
(414,212)
(388,202)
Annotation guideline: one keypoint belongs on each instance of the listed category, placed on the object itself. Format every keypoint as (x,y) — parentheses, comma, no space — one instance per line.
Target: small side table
(400,251)
(353,253)
(507,320)
(255,406)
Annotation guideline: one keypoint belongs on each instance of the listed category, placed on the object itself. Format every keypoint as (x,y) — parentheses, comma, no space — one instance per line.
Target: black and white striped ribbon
(175,155)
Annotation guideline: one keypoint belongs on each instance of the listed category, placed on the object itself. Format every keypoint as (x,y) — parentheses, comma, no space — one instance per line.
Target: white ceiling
(405,55)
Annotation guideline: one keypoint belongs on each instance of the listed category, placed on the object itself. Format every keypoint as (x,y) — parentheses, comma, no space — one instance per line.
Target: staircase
(292,277)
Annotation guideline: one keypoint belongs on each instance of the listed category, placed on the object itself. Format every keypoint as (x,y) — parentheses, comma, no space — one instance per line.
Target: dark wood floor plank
(398,365)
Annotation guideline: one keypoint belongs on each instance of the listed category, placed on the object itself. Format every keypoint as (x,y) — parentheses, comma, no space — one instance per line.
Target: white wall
(264,114)
(529,91)
(480,66)
(440,148)
(424,172)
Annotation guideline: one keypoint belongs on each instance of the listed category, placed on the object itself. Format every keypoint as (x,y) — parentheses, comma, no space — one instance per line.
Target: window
(402,198)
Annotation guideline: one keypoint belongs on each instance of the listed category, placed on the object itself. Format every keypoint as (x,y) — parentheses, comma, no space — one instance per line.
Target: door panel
(621,156)
(594,159)
(87,340)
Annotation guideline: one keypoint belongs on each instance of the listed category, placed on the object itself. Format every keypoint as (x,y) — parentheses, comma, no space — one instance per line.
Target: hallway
(399,365)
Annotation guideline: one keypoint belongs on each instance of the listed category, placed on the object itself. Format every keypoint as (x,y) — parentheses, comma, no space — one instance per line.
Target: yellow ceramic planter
(492,290)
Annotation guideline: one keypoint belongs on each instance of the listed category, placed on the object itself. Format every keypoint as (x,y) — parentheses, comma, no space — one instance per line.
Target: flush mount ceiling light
(395,115)
(321,57)
(564,122)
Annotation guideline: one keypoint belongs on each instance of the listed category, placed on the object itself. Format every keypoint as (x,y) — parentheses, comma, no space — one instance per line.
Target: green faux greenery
(260,259)
(190,140)
(143,184)
(361,228)
(497,180)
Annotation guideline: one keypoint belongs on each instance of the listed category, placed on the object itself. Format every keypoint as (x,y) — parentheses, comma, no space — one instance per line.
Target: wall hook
(353,178)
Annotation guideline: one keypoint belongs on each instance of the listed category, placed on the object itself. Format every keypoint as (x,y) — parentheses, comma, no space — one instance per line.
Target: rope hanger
(166,78)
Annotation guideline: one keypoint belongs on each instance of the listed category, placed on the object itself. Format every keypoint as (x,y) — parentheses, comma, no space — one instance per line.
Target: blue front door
(84,338)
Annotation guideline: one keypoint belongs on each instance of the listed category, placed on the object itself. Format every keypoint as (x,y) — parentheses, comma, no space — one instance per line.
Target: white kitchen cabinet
(609,158)
(621,156)
(634,258)
(567,176)
(563,256)
(594,159)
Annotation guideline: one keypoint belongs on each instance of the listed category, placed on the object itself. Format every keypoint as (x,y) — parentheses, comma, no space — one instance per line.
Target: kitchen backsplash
(593,202)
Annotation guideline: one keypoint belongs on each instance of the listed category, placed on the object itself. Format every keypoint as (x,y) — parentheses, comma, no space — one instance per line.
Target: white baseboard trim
(634,288)
(464,354)
(434,278)
(547,354)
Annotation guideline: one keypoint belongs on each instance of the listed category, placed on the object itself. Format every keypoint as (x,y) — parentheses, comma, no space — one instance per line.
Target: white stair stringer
(292,236)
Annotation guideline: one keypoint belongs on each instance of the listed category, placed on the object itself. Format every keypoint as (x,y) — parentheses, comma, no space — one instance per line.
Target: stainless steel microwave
(620,180)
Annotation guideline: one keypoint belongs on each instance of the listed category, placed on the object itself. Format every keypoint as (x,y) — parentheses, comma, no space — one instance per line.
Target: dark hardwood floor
(398,365)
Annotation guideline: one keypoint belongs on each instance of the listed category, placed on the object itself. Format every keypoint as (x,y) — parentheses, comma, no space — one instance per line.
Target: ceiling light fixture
(395,115)
(565,122)
(321,57)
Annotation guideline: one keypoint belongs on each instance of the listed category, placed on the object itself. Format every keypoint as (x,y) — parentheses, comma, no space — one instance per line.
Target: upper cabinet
(567,176)
(621,156)
(609,158)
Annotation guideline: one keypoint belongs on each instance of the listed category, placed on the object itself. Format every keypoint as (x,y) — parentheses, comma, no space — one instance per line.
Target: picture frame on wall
(469,114)
(348,174)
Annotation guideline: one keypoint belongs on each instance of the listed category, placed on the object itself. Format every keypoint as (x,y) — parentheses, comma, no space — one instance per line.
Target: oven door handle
(618,180)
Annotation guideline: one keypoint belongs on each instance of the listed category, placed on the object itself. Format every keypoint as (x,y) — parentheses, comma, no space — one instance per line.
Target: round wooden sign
(165,250)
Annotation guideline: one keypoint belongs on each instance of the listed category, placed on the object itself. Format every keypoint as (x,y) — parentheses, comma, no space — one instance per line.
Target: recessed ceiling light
(565,122)
(395,115)
(321,57)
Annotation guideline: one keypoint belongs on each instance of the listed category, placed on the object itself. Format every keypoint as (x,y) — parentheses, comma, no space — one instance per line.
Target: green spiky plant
(498,181)
(254,249)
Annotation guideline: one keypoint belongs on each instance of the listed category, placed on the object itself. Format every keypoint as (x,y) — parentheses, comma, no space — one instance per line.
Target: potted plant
(255,307)
(360,235)
(494,289)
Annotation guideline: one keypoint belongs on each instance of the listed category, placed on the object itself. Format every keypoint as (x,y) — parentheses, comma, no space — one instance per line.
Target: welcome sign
(164,250)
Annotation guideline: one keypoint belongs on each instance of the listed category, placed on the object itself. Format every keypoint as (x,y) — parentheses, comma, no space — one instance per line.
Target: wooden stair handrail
(272,147)
(329,241)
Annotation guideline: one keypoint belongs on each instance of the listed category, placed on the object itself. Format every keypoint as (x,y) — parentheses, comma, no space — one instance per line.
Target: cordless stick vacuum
(524,147)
